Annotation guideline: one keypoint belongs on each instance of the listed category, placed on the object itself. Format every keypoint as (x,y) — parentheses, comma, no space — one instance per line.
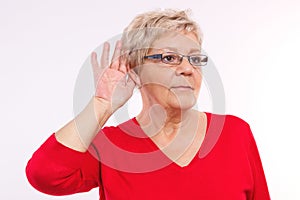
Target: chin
(184,102)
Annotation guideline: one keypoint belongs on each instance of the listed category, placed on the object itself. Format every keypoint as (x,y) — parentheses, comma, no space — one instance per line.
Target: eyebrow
(176,50)
(195,50)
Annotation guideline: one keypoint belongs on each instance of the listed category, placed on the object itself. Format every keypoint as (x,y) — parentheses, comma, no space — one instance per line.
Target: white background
(43,44)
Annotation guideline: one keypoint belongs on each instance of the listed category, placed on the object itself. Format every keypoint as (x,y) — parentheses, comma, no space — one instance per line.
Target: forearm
(80,132)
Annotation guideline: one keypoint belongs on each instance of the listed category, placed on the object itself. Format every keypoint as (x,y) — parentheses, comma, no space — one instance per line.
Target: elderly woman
(157,154)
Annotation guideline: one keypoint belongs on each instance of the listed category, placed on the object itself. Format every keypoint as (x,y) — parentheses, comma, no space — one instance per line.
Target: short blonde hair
(148,27)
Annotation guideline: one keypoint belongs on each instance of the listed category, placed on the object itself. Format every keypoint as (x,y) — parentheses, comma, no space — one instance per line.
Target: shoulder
(129,127)
(234,120)
(227,119)
(126,131)
(225,132)
(229,126)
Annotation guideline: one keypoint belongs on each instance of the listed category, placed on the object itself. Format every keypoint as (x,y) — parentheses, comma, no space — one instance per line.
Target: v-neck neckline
(173,163)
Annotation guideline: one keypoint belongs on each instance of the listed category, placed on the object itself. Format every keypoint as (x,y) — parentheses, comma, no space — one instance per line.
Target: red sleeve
(58,170)
(260,189)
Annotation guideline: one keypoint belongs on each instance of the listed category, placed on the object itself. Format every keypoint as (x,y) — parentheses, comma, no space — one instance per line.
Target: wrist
(101,105)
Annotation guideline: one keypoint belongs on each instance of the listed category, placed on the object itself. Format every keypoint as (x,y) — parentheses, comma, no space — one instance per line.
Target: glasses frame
(160,57)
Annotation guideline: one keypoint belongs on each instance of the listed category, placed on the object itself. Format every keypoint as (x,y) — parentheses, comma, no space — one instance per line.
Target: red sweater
(227,166)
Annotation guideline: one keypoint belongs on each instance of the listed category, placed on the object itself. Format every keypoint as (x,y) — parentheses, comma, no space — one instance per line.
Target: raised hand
(112,81)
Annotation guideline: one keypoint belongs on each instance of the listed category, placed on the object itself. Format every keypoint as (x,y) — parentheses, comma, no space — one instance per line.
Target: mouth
(182,87)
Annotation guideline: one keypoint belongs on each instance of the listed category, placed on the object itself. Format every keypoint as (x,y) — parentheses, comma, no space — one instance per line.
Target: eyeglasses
(173,58)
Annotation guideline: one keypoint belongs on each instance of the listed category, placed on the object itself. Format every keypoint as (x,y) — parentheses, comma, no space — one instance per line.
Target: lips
(182,87)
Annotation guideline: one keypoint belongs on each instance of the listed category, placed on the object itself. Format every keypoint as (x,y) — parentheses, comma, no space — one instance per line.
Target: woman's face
(171,86)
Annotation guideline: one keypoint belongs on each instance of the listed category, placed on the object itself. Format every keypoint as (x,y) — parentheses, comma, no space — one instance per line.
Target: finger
(122,66)
(105,55)
(128,66)
(94,63)
(115,62)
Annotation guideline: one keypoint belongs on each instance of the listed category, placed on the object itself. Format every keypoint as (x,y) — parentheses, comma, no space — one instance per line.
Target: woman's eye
(169,58)
(196,59)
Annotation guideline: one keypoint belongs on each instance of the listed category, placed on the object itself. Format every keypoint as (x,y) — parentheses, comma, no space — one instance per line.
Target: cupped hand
(112,82)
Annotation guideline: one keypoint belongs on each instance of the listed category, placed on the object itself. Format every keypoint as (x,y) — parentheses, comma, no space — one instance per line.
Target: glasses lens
(171,58)
(198,60)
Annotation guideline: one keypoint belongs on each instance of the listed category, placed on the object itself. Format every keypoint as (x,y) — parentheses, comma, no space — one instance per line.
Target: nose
(185,68)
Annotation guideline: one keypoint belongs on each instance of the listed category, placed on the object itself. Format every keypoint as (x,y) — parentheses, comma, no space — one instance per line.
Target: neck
(156,119)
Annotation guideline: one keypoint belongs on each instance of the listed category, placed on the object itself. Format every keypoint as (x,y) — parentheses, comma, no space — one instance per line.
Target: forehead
(183,43)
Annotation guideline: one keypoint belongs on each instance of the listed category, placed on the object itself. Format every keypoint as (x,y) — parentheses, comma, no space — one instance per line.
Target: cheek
(157,91)
(156,76)
(198,78)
